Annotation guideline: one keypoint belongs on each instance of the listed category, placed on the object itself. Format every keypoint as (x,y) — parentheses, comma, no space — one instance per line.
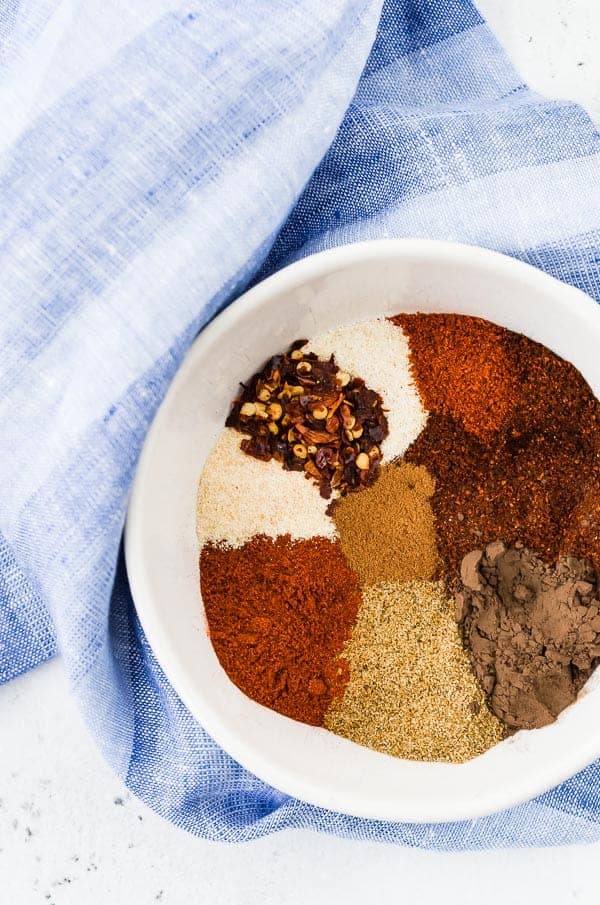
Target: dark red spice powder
(582,533)
(536,479)
(279,613)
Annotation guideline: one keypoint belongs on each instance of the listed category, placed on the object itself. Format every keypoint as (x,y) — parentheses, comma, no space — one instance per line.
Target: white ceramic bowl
(342,285)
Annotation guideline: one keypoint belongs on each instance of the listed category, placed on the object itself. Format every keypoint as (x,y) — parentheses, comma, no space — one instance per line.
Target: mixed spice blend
(399,532)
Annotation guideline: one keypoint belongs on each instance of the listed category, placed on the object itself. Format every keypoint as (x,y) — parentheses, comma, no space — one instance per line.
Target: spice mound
(533,630)
(279,613)
(239,497)
(312,416)
(527,480)
(343,516)
(458,361)
(387,532)
(411,692)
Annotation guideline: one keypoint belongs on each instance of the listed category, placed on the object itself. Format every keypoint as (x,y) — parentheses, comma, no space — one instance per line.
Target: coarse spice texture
(239,496)
(411,691)
(582,532)
(279,612)
(378,352)
(311,416)
(533,630)
(462,366)
(387,532)
(534,480)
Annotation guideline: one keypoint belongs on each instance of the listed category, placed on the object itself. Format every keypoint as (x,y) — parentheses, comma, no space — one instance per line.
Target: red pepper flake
(311,416)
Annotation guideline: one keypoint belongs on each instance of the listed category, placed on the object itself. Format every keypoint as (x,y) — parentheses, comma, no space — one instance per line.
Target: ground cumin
(279,612)
(387,531)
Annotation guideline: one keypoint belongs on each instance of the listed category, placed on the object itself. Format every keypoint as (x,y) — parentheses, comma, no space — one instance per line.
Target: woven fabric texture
(155,159)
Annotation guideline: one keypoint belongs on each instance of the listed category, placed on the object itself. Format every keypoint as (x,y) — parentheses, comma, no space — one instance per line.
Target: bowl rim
(293,276)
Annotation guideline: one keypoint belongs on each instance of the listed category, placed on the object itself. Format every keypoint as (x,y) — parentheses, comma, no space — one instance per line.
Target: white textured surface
(240,496)
(555,45)
(70,833)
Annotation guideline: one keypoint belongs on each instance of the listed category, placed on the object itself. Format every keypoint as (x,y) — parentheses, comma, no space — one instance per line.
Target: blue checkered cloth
(154,160)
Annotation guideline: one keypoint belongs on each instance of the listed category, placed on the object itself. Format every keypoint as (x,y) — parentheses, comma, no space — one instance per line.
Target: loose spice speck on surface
(411,692)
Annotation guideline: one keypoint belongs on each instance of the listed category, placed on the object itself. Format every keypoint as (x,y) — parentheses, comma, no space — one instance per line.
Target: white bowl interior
(339,286)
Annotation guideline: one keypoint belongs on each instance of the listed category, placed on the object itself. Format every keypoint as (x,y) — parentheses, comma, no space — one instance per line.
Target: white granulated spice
(378,351)
(239,496)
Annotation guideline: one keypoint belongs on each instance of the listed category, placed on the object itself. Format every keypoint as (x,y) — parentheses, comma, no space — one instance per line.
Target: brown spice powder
(411,691)
(582,533)
(517,489)
(533,630)
(387,532)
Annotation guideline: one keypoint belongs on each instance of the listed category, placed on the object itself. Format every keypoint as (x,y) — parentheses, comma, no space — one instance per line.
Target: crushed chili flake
(311,416)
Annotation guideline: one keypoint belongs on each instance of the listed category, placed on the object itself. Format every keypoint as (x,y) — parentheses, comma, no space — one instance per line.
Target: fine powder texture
(462,367)
(411,691)
(535,480)
(279,612)
(239,497)
(532,630)
(387,531)
(377,351)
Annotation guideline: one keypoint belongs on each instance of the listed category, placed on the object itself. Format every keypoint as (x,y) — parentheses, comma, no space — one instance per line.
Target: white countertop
(71,833)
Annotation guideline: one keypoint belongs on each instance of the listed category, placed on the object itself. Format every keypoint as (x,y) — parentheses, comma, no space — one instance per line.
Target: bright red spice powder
(536,478)
(278,615)
(463,367)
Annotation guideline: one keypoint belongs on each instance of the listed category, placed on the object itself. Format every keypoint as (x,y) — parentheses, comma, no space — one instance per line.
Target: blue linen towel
(156,158)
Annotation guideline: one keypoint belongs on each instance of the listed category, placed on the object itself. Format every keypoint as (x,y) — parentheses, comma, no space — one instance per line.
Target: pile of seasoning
(279,613)
(533,630)
(388,534)
(527,479)
(411,692)
(310,415)
(399,532)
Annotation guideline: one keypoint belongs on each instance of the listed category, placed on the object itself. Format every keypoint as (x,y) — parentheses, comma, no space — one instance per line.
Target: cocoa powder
(532,630)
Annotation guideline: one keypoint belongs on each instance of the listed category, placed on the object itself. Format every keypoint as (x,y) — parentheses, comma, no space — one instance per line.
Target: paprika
(279,612)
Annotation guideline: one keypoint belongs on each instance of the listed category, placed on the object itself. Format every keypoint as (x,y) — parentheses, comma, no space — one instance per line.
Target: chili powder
(536,478)
(463,367)
(279,613)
